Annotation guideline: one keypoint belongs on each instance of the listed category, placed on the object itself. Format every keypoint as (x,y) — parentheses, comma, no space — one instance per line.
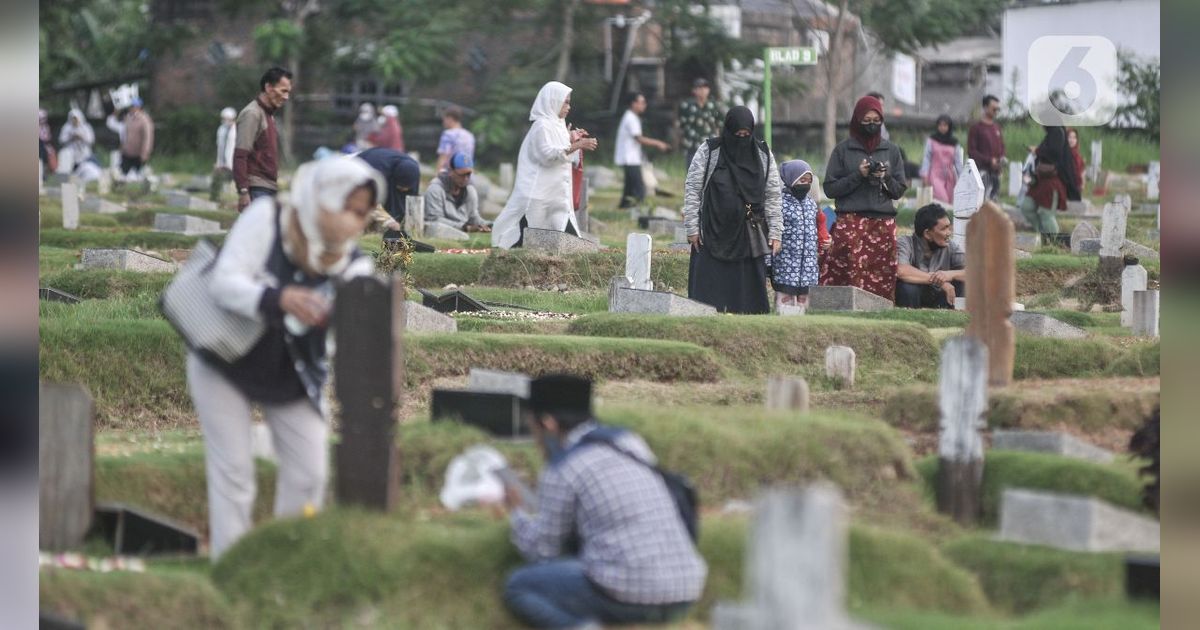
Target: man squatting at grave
(607,543)
(930,266)
(451,198)
(403,176)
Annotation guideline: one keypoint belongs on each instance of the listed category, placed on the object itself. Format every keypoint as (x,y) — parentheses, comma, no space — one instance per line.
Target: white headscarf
(391,111)
(324,186)
(228,113)
(549,101)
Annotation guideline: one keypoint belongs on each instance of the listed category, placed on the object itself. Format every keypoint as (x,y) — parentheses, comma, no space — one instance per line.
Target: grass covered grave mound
(1116,483)
(888,353)
(155,599)
(144,239)
(106,283)
(582,271)
(1042,358)
(1085,404)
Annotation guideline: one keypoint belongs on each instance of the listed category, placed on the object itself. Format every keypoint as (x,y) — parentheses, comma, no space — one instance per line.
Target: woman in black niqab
(736,187)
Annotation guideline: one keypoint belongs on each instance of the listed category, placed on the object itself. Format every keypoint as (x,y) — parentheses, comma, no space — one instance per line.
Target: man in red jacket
(256,154)
(985,145)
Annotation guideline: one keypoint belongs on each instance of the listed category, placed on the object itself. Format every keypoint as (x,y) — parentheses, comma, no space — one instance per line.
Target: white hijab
(324,186)
(547,105)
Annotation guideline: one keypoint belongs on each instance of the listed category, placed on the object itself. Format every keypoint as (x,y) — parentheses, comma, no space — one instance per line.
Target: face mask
(872,128)
(800,190)
(554,449)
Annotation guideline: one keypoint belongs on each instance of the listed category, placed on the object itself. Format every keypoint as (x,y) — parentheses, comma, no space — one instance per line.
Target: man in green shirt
(699,118)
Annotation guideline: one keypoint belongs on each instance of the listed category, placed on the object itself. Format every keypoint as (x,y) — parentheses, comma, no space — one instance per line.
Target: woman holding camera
(864,176)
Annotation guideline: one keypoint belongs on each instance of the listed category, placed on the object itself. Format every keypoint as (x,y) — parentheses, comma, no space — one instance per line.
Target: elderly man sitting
(930,266)
(452,200)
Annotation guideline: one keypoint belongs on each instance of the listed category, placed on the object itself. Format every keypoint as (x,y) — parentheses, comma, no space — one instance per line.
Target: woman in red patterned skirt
(864,176)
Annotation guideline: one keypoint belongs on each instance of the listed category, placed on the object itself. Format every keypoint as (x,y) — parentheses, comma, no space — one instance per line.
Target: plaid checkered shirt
(634,545)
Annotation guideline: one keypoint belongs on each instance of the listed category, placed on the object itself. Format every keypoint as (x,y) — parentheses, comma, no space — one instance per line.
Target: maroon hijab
(864,105)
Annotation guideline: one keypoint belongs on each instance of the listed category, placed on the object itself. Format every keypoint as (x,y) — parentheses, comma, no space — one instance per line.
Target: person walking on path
(699,118)
(226,143)
(278,265)
(542,195)
(733,215)
(796,267)
(137,140)
(943,160)
(628,151)
(390,135)
(985,145)
(864,176)
(256,152)
(454,139)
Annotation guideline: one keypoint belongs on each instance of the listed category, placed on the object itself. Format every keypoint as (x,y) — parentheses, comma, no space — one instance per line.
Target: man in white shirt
(628,153)
(226,141)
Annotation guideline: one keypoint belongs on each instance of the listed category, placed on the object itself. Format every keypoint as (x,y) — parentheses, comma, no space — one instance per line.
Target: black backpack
(683,493)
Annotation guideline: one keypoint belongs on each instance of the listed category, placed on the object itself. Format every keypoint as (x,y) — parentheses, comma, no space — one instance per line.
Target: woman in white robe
(75,141)
(542,188)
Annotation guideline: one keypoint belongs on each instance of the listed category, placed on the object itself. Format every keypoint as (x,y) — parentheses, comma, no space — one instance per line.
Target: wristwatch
(243,191)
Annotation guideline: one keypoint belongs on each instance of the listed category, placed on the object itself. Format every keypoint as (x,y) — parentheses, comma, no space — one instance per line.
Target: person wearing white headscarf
(542,196)
(226,143)
(278,265)
(366,124)
(75,141)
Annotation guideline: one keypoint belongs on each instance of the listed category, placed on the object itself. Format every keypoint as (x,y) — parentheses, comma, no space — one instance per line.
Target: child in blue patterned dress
(805,235)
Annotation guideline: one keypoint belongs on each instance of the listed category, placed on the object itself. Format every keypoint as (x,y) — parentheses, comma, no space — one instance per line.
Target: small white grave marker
(637,261)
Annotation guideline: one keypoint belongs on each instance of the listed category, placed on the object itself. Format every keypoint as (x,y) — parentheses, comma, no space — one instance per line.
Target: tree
(1140,83)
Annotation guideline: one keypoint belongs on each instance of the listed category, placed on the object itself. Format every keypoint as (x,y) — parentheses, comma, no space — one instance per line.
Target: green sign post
(790,56)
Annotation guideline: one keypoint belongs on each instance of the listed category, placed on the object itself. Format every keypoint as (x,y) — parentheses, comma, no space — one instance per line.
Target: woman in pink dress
(943,160)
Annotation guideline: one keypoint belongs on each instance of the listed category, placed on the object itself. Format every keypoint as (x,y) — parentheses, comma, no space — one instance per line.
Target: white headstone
(506,175)
(1152,181)
(104,184)
(1096,166)
(968,197)
(840,365)
(414,215)
(787,392)
(498,382)
(637,261)
(962,392)
(1145,313)
(1073,522)
(1133,278)
(795,564)
(1014,178)
(70,205)
(1112,227)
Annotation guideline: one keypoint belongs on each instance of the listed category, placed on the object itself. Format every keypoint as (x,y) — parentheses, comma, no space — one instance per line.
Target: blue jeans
(256,192)
(557,594)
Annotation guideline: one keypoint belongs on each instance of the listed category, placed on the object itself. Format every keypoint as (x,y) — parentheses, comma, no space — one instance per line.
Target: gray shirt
(440,208)
(915,250)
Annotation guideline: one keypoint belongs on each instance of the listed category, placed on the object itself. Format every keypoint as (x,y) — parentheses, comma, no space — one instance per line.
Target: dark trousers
(991,183)
(130,162)
(557,594)
(257,191)
(635,187)
(925,295)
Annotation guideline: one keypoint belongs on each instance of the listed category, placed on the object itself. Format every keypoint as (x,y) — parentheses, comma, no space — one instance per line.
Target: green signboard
(788,56)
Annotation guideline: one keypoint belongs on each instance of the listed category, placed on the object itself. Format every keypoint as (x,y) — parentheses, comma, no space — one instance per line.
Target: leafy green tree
(1141,82)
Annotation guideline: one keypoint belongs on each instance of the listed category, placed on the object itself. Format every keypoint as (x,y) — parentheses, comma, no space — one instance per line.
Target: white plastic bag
(470,478)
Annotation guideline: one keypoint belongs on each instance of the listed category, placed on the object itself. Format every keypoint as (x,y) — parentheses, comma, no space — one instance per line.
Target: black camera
(876,166)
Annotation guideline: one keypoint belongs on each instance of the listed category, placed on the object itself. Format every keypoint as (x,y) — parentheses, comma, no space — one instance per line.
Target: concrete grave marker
(637,261)
(963,400)
(65,454)
(829,298)
(498,382)
(50,294)
(657,302)
(124,260)
(1015,175)
(1027,242)
(1082,208)
(616,283)
(421,318)
(787,392)
(185,224)
(1152,181)
(506,175)
(991,276)
(1042,325)
(1112,229)
(1095,169)
(70,206)
(104,184)
(1083,230)
(840,365)
(100,205)
(1145,313)
(414,215)
(1049,442)
(1073,522)
(558,243)
(795,565)
(924,196)
(181,199)
(447,232)
(969,194)
(1133,278)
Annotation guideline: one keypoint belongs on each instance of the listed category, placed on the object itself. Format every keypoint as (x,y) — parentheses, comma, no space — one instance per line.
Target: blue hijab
(790,171)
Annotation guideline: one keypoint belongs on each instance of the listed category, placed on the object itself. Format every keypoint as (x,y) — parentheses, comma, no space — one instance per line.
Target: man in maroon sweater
(985,145)
(256,154)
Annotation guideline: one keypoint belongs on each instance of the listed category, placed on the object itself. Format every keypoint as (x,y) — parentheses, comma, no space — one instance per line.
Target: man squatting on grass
(929,264)
(607,543)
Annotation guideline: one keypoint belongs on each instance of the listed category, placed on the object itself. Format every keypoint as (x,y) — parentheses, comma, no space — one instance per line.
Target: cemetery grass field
(693,387)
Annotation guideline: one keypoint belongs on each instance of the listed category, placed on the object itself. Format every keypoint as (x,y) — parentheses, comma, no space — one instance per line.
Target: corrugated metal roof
(964,50)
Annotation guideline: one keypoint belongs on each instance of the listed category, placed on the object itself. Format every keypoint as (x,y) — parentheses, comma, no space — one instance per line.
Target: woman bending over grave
(278,266)
(804,237)
(732,211)
(864,176)
(542,197)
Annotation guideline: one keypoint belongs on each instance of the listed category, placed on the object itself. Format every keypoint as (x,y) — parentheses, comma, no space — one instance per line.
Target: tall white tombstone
(104,184)
(1133,278)
(414,216)
(963,399)
(1145,313)
(1152,181)
(506,175)
(637,261)
(968,197)
(840,365)
(1014,178)
(795,564)
(1096,167)
(1112,228)
(70,205)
